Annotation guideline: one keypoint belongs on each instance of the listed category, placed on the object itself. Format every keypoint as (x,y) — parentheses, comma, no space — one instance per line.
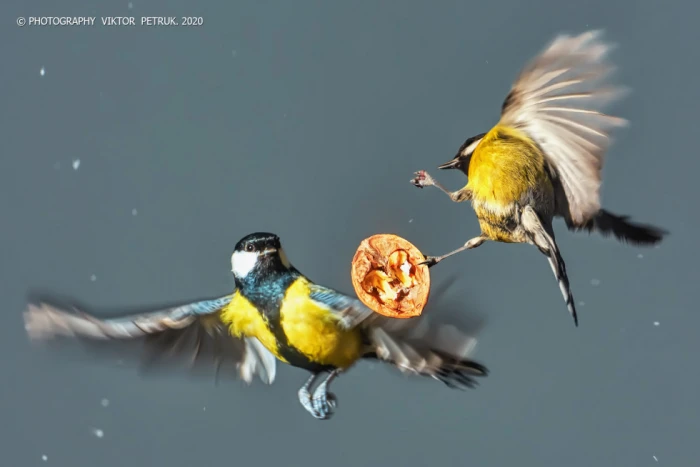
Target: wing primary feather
(575,124)
(197,347)
(585,111)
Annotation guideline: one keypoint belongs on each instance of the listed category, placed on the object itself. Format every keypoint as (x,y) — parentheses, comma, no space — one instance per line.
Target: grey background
(308,119)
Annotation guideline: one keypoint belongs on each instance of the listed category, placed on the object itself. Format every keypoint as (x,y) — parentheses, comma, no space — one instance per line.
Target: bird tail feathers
(607,223)
(543,238)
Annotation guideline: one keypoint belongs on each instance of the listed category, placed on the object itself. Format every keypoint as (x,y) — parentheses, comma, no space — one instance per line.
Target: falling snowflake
(44,458)
(99,433)
(595,282)
(42,72)
(104,402)
(134,212)
(76,164)
(93,278)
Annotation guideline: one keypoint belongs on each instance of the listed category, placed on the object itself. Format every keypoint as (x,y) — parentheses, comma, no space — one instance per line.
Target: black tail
(608,224)
(543,238)
(559,270)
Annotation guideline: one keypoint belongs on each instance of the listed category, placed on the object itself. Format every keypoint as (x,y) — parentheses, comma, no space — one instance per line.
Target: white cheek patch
(242,262)
(283,258)
(470,149)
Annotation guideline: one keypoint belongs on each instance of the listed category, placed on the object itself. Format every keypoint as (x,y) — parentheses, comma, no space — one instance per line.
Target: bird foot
(321,405)
(430,261)
(422,179)
(324,404)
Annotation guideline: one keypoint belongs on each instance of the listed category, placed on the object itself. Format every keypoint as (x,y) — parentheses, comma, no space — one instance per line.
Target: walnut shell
(387,278)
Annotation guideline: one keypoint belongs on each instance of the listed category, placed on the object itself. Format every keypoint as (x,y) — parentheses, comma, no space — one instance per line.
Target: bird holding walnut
(544,158)
(276,313)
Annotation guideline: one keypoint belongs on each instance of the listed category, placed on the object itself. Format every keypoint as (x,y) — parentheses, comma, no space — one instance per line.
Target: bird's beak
(453,164)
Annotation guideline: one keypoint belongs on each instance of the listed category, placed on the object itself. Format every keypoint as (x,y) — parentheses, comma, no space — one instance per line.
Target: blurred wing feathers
(192,332)
(417,346)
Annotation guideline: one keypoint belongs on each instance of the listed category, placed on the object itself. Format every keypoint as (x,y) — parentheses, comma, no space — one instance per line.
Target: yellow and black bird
(276,313)
(544,158)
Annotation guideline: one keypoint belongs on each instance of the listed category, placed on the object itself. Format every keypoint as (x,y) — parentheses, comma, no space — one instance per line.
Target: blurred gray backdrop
(308,119)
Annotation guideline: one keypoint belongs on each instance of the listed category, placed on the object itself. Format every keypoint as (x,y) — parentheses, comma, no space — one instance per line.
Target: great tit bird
(544,158)
(276,313)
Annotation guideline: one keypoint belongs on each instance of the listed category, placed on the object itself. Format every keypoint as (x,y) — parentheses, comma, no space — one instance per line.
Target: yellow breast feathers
(244,320)
(313,329)
(505,165)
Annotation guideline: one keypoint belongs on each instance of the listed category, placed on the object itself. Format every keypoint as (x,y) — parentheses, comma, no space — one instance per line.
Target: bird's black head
(464,155)
(258,255)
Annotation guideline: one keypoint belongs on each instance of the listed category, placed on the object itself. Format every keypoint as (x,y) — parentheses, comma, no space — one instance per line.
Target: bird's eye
(249,247)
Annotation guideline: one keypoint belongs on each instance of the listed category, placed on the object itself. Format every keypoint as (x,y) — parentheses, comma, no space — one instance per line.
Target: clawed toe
(324,405)
(421,179)
(429,261)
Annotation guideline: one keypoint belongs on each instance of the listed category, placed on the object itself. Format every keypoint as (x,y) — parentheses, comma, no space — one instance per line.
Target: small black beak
(453,164)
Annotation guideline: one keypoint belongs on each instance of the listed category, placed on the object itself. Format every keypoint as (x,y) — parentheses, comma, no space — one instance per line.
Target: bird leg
(305,395)
(473,243)
(321,404)
(424,179)
(325,402)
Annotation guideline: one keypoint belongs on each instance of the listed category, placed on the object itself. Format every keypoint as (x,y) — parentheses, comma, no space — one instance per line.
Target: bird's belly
(506,175)
(315,333)
(500,223)
(244,320)
(497,196)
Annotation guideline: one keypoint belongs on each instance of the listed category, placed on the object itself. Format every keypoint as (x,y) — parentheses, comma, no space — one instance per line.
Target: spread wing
(191,332)
(558,100)
(416,345)
(426,347)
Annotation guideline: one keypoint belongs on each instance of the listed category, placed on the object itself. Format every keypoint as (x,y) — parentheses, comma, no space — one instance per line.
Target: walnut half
(387,278)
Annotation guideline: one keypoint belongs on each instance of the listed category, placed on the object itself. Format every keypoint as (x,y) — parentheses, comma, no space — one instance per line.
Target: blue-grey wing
(416,345)
(192,332)
(352,312)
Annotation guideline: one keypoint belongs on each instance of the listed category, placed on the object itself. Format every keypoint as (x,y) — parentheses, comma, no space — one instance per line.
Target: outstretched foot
(473,243)
(422,179)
